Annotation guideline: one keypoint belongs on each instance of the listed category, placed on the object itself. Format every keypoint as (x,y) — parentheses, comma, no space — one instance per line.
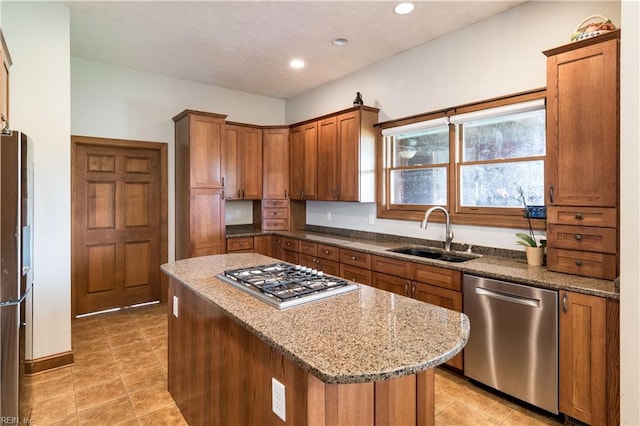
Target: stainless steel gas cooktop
(284,285)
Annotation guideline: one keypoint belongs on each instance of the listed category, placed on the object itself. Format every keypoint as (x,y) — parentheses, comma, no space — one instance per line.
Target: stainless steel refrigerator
(16,273)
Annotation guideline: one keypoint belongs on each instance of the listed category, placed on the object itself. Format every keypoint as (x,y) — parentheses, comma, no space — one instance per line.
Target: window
(475,160)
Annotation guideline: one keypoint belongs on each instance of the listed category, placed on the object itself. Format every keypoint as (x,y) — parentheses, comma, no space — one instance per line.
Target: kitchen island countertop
(367,335)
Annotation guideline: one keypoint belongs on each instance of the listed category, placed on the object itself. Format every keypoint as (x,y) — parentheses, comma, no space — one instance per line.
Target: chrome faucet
(448,232)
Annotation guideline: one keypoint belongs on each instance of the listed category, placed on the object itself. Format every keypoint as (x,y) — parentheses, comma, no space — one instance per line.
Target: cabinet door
(275,145)
(251,163)
(263,244)
(582,352)
(348,153)
(303,146)
(444,298)
(328,160)
(583,126)
(232,138)
(391,283)
(206,151)
(207,227)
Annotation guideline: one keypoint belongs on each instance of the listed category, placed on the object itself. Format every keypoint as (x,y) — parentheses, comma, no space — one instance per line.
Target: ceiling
(247,45)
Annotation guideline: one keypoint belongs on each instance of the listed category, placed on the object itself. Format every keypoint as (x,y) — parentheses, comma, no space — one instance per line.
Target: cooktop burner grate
(283,285)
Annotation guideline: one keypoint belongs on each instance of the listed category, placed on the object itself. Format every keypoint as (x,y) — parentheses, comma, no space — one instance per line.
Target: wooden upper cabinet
(303,150)
(4,83)
(243,161)
(346,155)
(275,146)
(582,163)
(199,151)
(328,159)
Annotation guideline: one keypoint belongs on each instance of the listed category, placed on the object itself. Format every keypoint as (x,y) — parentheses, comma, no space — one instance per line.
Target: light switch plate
(278,404)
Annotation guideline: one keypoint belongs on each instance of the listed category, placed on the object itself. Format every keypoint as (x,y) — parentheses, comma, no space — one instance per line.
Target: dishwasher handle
(508,297)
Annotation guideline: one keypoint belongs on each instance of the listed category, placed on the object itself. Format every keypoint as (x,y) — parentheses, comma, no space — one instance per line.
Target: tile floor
(120,370)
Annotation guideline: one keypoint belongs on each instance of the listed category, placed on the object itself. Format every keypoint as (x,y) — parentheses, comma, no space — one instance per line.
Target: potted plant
(533,249)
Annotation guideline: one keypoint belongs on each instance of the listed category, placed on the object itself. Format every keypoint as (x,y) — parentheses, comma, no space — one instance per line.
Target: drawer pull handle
(406,288)
(564,303)
(578,263)
(413,290)
(551,194)
(578,237)
(579,216)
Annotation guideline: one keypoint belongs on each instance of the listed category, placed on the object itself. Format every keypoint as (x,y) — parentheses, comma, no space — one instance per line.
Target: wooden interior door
(118,223)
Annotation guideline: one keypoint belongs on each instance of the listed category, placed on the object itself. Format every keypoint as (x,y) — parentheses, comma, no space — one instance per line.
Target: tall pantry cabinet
(582,164)
(200,224)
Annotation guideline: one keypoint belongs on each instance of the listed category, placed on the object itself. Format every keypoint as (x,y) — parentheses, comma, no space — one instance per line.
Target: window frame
(474,216)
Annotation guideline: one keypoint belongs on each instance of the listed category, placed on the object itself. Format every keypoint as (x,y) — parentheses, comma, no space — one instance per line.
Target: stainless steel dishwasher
(513,344)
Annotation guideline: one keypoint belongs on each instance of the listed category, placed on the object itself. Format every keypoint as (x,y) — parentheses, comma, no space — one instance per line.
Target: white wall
(630,215)
(37,36)
(495,57)
(115,102)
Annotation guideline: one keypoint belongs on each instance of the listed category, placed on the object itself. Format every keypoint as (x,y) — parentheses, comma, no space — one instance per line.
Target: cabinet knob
(578,237)
(288,243)
(579,216)
(578,263)
(326,252)
(353,258)
(413,290)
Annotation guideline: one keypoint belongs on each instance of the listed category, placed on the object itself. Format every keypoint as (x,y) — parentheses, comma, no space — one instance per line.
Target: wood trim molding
(51,362)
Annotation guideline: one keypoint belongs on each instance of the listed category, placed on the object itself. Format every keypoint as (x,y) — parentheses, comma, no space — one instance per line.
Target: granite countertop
(363,336)
(510,269)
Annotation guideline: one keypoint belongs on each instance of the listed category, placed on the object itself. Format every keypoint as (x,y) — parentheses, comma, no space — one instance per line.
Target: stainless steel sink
(434,253)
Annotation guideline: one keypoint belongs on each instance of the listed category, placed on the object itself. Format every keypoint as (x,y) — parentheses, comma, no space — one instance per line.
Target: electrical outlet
(372,219)
(238,214)
(278,403)
(175,306)
(328,215)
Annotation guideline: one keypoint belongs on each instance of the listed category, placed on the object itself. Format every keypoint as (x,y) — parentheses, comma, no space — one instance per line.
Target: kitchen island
(364,357)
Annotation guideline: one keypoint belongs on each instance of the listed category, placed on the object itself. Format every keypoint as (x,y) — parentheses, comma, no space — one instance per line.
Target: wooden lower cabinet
(589,358)
(240,245)
(220,374)
(355,274)
(263,244)
(391,283)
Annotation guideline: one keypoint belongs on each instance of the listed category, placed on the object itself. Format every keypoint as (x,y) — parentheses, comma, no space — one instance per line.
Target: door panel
(117,225)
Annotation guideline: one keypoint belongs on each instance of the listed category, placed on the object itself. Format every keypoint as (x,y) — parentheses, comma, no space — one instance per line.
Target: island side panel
(220,373)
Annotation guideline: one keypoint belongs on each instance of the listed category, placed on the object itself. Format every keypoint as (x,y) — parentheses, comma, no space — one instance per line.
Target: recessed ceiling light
(404,8)
(296,63)
(340,41)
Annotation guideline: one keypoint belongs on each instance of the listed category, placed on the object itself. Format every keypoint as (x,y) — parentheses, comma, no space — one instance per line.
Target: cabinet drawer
(441,277)
(275,224)
(289,244)
(587,238)
(310,249)
(329,252)
(355,274)
(391,283)
(438,296)
(275,213)
(583,216)
(399,268)
(596,265)
(355,258)
(237,244)
(275,203)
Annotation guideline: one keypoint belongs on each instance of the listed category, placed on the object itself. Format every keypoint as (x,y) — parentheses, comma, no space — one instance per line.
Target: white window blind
(498,111)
